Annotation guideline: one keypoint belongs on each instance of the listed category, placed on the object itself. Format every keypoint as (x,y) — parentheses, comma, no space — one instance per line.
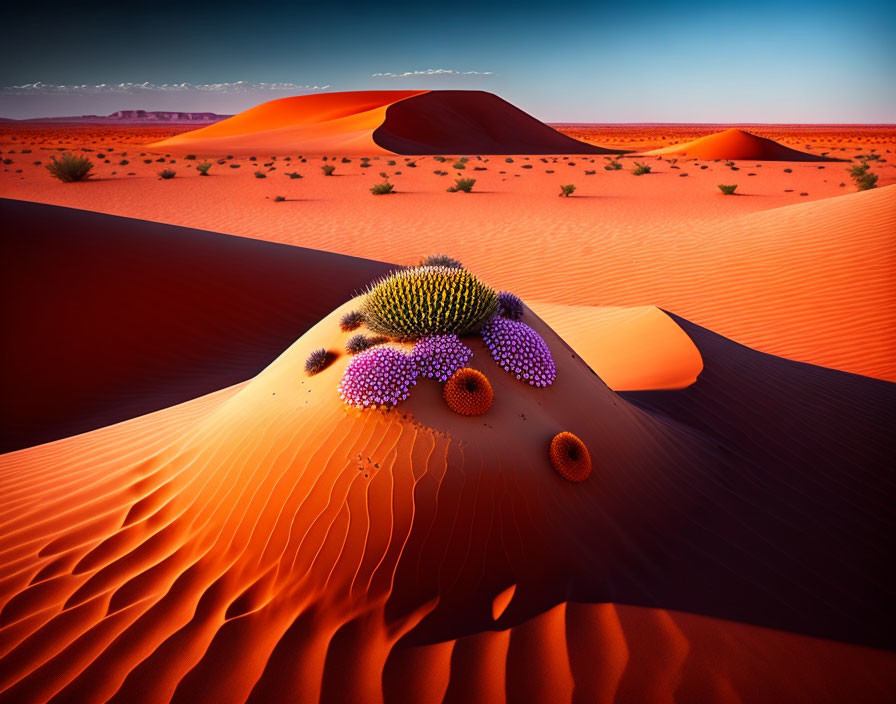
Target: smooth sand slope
(737,144)
(265,544)
(112,318)
(380,122)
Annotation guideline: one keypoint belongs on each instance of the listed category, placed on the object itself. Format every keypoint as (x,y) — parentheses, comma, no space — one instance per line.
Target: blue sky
(579,62)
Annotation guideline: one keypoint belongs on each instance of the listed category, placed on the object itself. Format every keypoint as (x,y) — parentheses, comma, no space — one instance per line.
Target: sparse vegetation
(728,190)
(459,165)
(328,169)
(260,174)
(68,168)
(613,165)
(351,321)
(317,361)
(640,169)
(191,157)
(203,168)
(294,174)
(381,189)
(864,179)
(567,190)
(358,343)
(167,173)
(279,199)
(441,260)
(462,184)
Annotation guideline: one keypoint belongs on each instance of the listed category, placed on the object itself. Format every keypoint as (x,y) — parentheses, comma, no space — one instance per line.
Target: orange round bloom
(570,457)
(468,392)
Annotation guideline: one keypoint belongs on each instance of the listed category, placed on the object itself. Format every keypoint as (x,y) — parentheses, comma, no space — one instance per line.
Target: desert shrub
(510,305)
(191,157)
(294,174)
(468,392)
(235,166)
(391,162)
(428,300)
(459,165)
(328,169)
(567,190)
(67,168)
(440,260)
(729,163)
(865,180)
(440,159)
(640,169)
(570,457)
(509,160)
(381,376)
(351,321)
(728,190)
(317,361)
(381,189)
(167,173)
(279,199)
(203,168)
(260,174)
(613,165)
(440,356)
(462,184)
(590,173)
(366,165)
(520,350)
(358,343)
(123,162)
(346,160)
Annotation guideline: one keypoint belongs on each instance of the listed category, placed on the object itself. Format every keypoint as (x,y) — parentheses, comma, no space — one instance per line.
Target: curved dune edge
(379,122)
(736,144)
(360,555)
(630,349)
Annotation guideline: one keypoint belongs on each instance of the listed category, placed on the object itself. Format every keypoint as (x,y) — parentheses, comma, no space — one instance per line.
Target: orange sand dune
(379,122)
(737,144)
(265,544)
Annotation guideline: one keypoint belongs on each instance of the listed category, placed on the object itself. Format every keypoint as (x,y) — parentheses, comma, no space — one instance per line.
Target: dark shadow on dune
(107,318)
(470,122)
(800,534)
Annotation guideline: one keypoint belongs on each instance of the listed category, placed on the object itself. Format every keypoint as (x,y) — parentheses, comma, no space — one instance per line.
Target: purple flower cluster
(520,350)
(378,376)
(439,356)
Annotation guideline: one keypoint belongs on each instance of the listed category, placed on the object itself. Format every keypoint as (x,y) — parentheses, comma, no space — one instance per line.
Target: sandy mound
(737,144)
(378,122)
(268,544)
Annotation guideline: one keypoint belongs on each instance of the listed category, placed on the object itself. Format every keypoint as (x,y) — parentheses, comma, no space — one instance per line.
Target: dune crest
(734,144)
(380,122)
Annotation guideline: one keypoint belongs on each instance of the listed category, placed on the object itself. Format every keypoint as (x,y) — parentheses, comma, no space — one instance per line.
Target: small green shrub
(328,169)
(294,174)
(864,179)
(509,160)
(728,190)
(459,165)
(613,165)
(191,157)
(279,199)
(67,168)
(440,159)
(381,189)
(203,168)
(260,174)
(462,184)
(567,191)
(788,171)
(441,260)
(167,173)
(640,169)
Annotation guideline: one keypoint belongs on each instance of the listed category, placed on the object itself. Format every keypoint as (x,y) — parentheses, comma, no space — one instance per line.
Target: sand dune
(737,144)
(114,318)
(414,554)
(380,122)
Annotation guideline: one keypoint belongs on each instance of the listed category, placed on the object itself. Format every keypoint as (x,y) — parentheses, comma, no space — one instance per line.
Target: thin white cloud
(441,72)
(147,87)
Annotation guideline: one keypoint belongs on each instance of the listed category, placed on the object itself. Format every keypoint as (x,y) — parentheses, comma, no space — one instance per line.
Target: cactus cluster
(428,300)
(468,392)
(359,343)
(441,260)
(381,376)
(351,321)
(440,356)
(317,361)
(520,350)
(570,457)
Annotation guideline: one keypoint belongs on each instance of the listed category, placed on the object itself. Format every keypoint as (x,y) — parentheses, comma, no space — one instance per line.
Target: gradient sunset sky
(561,61)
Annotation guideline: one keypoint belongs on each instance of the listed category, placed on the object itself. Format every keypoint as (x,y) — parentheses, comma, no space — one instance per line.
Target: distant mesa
(391,122)
(737,144)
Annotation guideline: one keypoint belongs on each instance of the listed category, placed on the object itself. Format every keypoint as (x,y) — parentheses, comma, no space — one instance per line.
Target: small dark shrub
(509,160)
(590,173)
(317,361)
(279,199)
(459,165)
(613,165)
(381,189)
(510,305)
(191,157)
(367,165)
(328,169)
(567,191)
(294,174)
(346,160)
(441,260)
(351,321)
(203,168)
(68,168)
(359,343)
(728,190)
(260,174)
(462,184)
(440,159)
(640,169)
(167,173)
